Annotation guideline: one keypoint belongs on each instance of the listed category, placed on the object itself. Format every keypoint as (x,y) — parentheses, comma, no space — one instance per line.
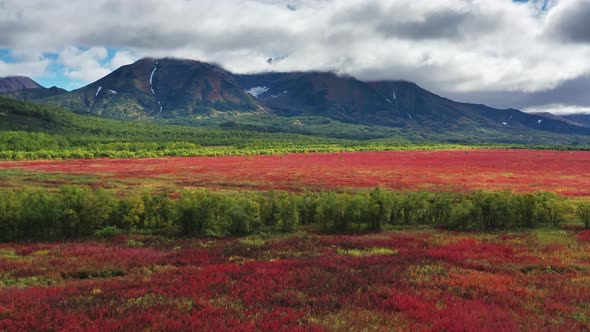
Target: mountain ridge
(170,89)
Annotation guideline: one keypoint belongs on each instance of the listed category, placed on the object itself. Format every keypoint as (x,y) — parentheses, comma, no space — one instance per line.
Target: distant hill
(16,83)
(34,93)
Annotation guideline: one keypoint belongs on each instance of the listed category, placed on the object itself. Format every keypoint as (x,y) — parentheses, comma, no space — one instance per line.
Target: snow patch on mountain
(257,90)
(98,91)
(152,85)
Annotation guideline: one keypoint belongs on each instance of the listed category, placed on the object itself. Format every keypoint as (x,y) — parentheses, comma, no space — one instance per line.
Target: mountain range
(198,93)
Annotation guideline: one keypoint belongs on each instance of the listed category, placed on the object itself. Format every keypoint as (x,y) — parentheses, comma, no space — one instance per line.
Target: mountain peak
(154,87)
(16,83)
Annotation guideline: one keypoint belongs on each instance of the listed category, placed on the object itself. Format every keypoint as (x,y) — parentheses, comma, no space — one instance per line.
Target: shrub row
(76,211)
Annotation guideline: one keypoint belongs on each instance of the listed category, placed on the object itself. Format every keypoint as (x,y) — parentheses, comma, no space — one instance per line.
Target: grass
(367,252)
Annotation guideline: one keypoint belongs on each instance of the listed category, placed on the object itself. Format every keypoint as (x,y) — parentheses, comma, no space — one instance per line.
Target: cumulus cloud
(27,66)
(459,47)
(87,65)
(570,21)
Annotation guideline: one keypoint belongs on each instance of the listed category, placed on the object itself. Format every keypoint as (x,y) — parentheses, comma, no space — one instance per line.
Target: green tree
(583,212)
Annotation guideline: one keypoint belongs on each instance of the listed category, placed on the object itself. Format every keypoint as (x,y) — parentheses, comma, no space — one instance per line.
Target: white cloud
(450,46)
(84,65)
(559,109)
(24,67)
(122,58)
(93,63)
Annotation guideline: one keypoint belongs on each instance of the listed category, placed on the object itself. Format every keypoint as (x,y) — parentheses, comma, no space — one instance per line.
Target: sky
(531,55)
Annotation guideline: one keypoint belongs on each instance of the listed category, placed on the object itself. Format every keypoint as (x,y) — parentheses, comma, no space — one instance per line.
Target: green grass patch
(367,252)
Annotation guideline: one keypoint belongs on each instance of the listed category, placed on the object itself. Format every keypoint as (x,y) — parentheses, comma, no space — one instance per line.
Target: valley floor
(563,172)
(409,279)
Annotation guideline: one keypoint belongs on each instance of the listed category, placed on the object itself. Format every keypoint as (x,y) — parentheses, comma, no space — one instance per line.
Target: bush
(109,231)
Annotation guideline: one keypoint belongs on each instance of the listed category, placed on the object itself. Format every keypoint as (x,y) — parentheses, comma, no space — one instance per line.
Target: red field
(567,173)
(411,281)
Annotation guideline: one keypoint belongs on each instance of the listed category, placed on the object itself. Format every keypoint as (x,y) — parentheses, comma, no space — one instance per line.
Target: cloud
(87,65)
(570,21)
(559,109)
(460,47)
(24,66)
(84,65)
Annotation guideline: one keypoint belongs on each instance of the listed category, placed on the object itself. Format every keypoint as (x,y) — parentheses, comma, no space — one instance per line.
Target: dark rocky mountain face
(442,114)
(16,83)
(322,94)
(159,88)
(386,103)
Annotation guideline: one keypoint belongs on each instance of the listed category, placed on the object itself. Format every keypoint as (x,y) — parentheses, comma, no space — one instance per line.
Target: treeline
(19,145)
(75,212)
(32,146)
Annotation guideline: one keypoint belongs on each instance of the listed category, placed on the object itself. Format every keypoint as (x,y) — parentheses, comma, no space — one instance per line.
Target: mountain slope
(386,103)
(322,94)
(441,115)
(582,119)
(159,88)
(196,93)
(34,93)
(23,123)
(16,83)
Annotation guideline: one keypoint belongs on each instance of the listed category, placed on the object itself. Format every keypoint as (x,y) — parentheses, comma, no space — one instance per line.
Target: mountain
(34,93)
(582,118)
(159,88)
(196,93)
(552,116)
(341,98)
(386,103)
(16,83)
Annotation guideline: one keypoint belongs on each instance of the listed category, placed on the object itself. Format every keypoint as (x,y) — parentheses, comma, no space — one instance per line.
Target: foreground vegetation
(75,212)
(415,280)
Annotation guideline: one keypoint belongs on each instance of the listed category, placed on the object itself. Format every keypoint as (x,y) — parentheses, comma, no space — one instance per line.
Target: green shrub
(109,231)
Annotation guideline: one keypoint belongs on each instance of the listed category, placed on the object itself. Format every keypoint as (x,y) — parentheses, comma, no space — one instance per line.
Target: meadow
(459,170)
(406,280)
(453,240)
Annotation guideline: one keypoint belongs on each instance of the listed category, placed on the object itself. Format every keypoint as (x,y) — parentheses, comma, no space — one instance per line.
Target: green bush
(109,231)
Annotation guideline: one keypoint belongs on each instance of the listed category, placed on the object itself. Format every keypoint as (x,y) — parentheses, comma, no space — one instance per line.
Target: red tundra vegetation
(564,172)
(412,281)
